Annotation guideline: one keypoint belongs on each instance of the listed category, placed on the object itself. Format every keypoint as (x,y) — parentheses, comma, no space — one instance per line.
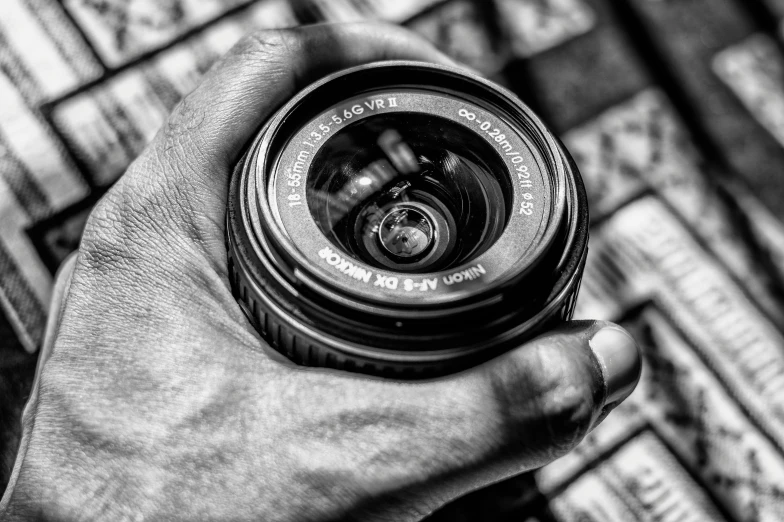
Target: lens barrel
(407,220)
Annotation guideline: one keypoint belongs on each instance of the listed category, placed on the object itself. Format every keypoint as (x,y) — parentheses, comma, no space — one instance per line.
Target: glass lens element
(409,192)
(405,232)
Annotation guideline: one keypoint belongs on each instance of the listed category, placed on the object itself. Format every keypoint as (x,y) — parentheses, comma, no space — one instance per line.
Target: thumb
(524,408)
(182,179)
(554,389)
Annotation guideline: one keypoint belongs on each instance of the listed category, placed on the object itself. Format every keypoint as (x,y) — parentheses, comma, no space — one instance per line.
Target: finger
(523,409)
(265,69)
(59,291)
(62,283)
(551,391)
(188,165)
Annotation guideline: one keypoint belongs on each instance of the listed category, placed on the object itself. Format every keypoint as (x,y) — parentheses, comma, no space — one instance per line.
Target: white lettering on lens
(362,275)
(344,266)
(388,282)
(392,102)
(423,285)
(299,165)
(525,184)
(468,274)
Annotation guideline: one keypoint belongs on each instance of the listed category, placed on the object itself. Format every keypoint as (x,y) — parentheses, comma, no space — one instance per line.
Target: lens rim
(538,141)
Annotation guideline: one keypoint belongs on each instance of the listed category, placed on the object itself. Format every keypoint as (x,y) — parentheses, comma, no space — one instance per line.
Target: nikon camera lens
(407,220)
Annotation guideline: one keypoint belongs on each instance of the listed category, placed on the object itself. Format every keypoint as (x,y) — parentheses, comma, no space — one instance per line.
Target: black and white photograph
(392,260)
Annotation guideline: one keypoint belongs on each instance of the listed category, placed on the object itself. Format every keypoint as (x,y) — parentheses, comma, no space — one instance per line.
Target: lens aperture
(406,232)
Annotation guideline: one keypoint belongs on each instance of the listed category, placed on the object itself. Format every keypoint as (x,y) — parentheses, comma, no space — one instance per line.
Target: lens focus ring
(308,350)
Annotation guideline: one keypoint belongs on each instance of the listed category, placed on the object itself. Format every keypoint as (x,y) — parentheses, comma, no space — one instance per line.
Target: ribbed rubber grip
(308,351)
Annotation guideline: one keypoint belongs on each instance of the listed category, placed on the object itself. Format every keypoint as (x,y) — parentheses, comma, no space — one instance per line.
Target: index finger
(189,163)
(267,68)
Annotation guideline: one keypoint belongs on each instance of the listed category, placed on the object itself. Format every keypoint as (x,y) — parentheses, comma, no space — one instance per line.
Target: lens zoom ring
(305,350)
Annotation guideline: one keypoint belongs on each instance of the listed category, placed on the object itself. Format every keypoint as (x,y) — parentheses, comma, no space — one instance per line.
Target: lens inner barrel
(406,182)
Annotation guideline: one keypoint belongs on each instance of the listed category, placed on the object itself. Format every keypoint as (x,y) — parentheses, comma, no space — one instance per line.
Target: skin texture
(160,401)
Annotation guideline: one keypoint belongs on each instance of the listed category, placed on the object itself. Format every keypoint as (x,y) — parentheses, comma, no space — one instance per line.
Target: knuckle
(182,140)
(158,206)
(566,413)
(122,226)
(187,116)
(547,398)
(103,233)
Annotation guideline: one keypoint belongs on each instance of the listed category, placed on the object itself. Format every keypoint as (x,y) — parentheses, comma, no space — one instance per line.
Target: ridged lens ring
(407,220)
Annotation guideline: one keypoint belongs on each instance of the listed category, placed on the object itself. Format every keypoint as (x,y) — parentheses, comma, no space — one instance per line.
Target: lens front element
(405,232)
(409,192)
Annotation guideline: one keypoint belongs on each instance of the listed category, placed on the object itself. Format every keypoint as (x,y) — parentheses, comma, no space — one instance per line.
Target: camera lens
(409,192)
(405,219)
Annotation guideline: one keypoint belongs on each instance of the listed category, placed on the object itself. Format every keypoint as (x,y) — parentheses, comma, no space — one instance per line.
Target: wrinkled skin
(160,401)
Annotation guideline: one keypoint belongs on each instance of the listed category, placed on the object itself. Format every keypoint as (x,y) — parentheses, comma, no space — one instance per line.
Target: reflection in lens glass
(405,232)
(409,192)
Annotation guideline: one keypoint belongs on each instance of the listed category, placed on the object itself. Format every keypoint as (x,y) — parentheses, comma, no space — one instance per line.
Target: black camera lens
(408,191)
(405,219)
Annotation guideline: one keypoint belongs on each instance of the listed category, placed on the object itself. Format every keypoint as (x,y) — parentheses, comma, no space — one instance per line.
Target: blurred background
(674,111)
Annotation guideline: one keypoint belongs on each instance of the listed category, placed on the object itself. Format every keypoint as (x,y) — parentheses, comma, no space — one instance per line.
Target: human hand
(160,401)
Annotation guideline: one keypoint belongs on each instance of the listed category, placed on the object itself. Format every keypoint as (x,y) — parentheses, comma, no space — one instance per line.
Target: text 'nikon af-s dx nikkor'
(407,220)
